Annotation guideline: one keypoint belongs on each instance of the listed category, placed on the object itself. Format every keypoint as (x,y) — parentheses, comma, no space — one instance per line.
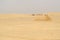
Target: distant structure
(43,16)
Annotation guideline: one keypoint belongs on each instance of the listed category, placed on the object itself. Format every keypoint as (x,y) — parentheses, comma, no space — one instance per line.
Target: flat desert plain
(23,27)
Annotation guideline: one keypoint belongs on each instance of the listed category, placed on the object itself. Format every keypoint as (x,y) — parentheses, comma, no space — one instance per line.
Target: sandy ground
(23,27)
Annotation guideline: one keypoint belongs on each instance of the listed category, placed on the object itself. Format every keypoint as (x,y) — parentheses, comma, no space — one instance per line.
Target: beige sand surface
(23,27)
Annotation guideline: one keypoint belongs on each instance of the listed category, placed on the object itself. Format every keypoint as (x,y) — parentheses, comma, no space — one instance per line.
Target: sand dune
(23,27)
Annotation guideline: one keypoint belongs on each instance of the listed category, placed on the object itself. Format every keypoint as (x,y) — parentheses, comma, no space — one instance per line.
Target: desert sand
(23,27)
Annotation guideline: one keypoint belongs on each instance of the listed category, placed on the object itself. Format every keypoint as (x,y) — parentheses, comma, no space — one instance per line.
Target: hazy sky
(29,6)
